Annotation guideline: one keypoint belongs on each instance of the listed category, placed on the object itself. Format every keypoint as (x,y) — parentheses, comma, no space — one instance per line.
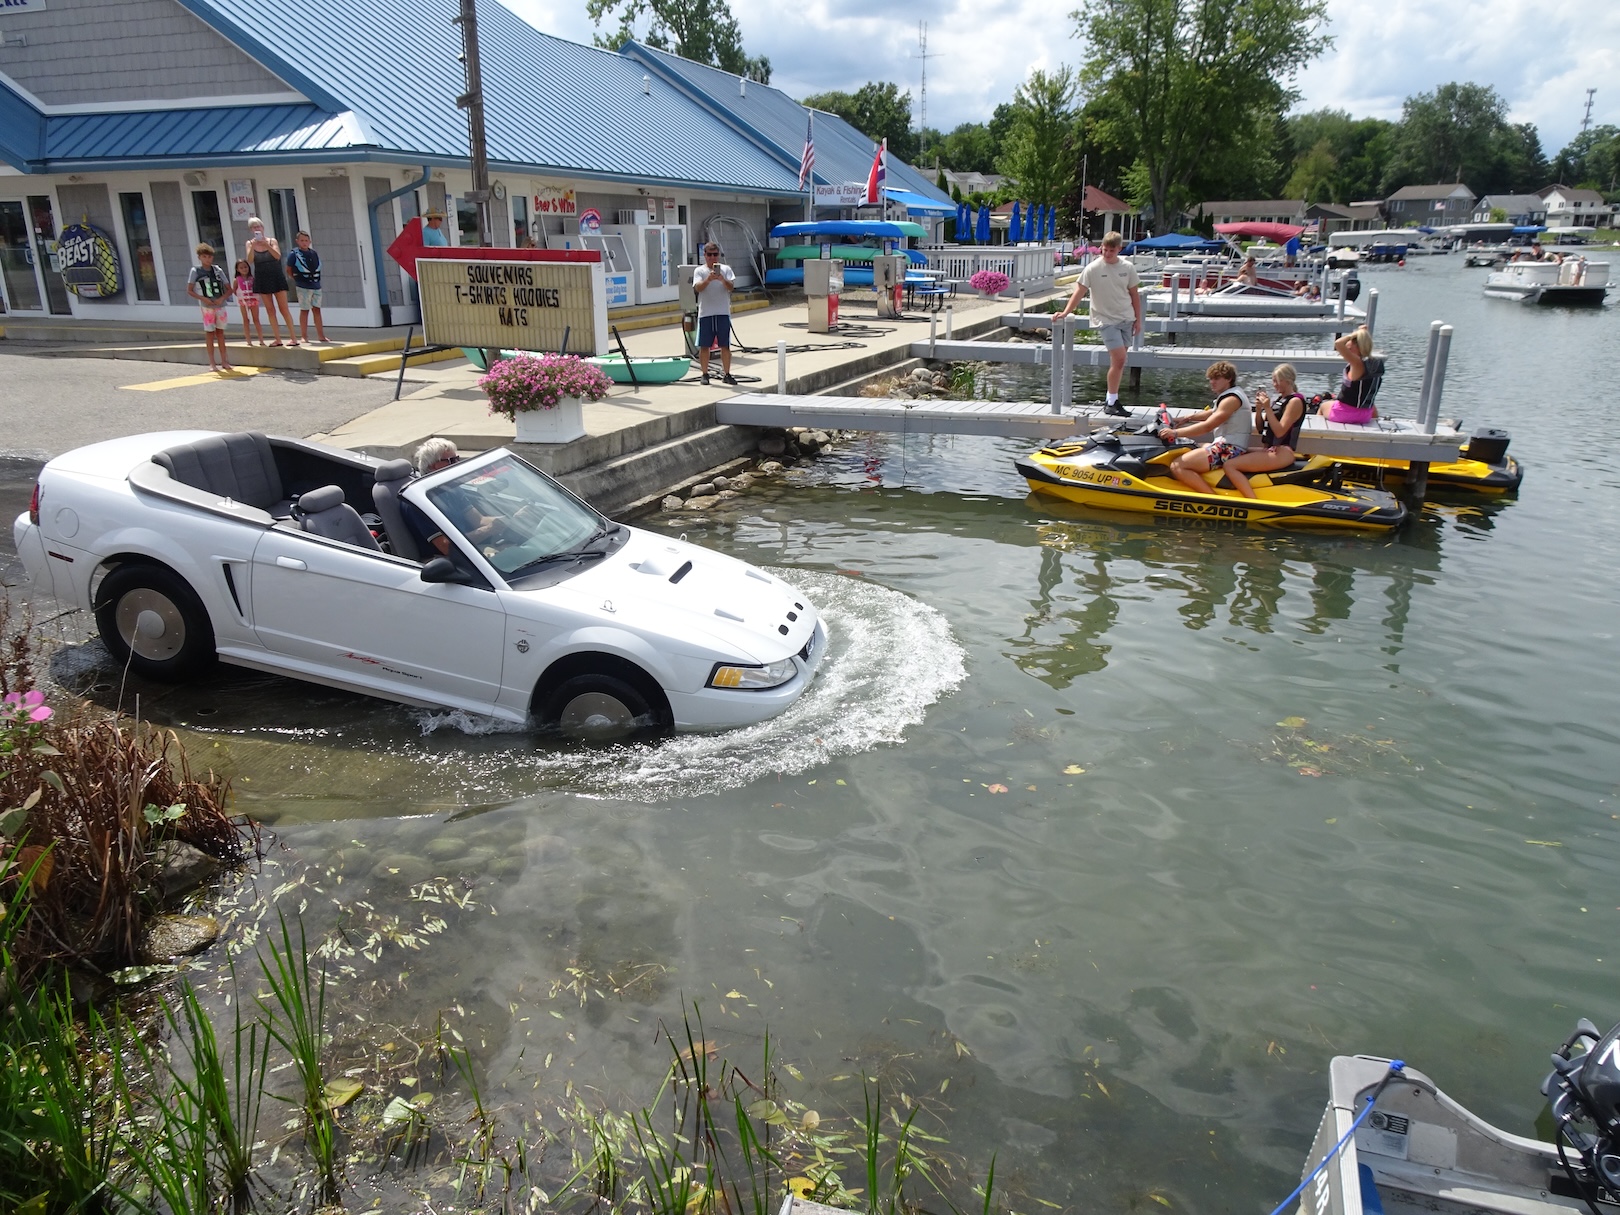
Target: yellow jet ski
(1483,467)
(1130,471)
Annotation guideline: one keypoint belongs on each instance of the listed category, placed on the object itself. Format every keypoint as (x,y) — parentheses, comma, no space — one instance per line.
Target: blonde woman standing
(269,278)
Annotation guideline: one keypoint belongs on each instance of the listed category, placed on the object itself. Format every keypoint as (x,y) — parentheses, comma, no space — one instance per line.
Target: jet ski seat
(240,466)
(323,512)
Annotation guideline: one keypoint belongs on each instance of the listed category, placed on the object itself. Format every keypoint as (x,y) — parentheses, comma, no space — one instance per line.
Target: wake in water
(891,657)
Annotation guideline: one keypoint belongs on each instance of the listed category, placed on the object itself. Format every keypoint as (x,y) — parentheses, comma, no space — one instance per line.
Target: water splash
(890,658)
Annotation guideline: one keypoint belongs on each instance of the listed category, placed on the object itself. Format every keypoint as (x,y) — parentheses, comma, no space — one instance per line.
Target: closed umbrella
(964,224)
(1051,223)
(1029,224)
(1015,225)
(982,234)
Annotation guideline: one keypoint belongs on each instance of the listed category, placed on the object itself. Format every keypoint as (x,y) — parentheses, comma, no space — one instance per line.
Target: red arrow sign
(408,249)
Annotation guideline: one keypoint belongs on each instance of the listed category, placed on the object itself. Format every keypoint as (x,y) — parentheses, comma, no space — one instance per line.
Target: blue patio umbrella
(982,231)
(1029,224)
(1015,225)
(964,224)
(1051,223)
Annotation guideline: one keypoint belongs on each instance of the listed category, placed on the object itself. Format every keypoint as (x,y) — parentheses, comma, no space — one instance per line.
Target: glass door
(138,236)
(17,260)
(284,218)
(56,292)
(210,226)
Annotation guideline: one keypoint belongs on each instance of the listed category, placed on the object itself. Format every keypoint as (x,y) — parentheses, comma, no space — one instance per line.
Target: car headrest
(392,470)
(324,498)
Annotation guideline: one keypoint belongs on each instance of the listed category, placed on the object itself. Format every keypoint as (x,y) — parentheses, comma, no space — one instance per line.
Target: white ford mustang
(487,586)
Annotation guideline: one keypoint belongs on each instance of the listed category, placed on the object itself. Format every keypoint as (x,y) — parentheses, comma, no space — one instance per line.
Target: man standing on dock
(1116,310)
(714,283)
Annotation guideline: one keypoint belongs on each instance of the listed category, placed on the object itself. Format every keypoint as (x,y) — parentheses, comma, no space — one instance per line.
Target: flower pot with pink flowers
(544,394)
(989,283)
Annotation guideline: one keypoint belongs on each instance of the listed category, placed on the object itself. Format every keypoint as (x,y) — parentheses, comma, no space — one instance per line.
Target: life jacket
(1280,407)
(211,283)
(1360,394)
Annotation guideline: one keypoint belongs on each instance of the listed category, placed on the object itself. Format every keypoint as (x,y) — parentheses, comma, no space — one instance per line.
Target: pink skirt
(1338,411)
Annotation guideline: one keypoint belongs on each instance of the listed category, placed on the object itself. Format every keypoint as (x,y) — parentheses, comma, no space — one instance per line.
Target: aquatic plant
(525,382)
(297,1018)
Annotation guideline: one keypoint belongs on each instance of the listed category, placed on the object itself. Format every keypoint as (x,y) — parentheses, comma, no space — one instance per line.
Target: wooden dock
(1157,357)
(1386,440)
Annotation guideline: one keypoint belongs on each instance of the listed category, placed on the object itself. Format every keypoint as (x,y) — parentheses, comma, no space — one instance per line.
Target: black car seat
(240,466)
(323,512)
(390,479)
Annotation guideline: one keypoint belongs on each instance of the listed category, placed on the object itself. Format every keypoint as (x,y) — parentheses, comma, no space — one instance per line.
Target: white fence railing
(1028,266)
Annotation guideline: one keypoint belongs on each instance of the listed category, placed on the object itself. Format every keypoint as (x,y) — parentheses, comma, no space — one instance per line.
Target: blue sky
(1541,55)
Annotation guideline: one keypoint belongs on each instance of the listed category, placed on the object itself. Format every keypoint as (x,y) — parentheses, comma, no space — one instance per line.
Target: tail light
(33,506)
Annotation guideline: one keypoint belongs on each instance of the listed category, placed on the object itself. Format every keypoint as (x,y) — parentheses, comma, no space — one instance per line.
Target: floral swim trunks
(1222,450)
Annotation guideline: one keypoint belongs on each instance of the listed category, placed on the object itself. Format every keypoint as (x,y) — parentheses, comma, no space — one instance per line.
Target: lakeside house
(1568,207)
(972,182)
(1104,213)
(1430,206)
(164,123)
(1519,208)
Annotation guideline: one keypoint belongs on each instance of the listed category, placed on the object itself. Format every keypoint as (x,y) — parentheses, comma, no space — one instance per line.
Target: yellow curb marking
(207,377)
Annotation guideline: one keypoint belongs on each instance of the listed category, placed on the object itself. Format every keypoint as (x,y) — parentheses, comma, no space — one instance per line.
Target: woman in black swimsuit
(269,279)
(1278,420)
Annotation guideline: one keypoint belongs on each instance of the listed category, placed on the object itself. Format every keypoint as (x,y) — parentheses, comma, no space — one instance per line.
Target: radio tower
(922,93)
(1586,122)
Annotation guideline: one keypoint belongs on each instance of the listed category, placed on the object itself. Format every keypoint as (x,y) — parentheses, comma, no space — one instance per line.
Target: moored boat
(1574,280)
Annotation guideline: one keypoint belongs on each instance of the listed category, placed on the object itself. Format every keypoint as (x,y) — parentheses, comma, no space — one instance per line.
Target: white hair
(431,452)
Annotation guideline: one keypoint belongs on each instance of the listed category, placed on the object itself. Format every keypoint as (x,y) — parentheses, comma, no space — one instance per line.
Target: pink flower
(28,707)
(524,382)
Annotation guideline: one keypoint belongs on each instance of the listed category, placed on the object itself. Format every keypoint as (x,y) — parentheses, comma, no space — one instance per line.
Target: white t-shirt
(713,299)
(1110,291)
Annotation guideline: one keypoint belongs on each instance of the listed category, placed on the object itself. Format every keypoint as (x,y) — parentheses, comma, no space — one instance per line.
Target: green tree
(1460,132)
(1359,149)
(879,110)
(969,148)
(1192,81)
(1591,160)
(703,31)
(1314,174)
(1036,157)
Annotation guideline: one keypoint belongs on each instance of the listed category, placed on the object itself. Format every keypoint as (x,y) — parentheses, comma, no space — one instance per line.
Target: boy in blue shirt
(304,265)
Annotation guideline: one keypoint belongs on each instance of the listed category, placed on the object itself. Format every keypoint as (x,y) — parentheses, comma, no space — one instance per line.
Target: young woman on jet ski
(1228,420)
(1278,421)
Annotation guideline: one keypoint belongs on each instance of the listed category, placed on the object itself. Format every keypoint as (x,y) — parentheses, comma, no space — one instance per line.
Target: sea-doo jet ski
(1130,471)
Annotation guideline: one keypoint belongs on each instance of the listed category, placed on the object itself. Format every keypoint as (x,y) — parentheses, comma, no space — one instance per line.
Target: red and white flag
(874,179)
(807,162)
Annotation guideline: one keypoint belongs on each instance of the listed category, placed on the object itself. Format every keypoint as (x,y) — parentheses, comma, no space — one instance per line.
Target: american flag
(807,162)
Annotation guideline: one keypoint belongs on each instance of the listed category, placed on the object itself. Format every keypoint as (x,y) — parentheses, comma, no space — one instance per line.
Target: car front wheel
(152,620)
(595,707)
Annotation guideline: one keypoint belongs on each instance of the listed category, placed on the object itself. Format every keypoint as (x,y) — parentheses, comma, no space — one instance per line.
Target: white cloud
(1541,55)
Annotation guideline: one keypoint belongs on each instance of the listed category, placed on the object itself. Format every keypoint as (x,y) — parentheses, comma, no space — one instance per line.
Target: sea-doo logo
(1206,510)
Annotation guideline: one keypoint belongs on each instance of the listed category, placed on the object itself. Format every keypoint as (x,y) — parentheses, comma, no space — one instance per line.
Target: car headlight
(752,678)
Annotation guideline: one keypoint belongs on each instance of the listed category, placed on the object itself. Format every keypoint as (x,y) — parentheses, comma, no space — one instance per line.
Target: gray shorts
(1116,336)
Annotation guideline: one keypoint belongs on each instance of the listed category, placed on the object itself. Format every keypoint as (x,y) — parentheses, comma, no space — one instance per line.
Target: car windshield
(516,517)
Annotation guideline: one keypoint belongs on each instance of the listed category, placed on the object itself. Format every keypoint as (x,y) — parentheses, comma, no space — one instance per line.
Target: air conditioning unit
(637,218)
(195,179)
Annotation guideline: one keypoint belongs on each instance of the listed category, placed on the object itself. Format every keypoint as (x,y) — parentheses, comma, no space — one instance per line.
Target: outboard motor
(1350,285)
(1584,1091)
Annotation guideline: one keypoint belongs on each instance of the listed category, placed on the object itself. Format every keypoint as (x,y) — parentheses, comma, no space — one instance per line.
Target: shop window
(520,221)
(467,221)
(210,227)
(138,238)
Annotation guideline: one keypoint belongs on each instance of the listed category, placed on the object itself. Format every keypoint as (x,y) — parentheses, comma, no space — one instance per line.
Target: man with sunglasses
(714,282)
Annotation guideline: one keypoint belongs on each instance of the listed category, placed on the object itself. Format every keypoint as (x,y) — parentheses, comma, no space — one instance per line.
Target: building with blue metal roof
(165,123)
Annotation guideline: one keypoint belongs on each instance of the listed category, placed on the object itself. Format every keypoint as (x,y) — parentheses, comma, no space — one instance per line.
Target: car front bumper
(728,708)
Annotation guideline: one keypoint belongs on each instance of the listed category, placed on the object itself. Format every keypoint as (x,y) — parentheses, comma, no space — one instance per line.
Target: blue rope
(1395,1066)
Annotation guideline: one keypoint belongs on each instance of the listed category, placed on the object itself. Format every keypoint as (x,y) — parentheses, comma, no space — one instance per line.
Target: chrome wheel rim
(151,624)
(597,716)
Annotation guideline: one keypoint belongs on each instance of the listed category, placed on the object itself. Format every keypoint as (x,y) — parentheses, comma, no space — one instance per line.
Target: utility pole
(1586,122)
(473,102)
(922,93)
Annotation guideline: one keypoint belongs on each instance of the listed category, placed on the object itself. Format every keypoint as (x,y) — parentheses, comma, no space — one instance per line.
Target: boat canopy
(1261,229)
(1531,229)
(892,229)
(1176,240)
(919,204)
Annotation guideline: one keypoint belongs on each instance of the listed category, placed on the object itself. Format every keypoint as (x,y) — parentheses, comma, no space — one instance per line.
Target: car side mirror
(442,569)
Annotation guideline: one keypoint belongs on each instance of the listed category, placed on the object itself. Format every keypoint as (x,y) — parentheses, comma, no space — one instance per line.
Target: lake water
(1122,828)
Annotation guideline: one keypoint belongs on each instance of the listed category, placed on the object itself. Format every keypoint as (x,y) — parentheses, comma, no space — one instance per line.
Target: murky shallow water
(1123,828)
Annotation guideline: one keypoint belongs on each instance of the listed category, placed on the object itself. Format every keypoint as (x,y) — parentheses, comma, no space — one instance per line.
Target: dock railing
(1028,266)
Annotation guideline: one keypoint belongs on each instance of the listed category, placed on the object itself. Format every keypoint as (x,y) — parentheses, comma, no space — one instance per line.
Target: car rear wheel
(152,620)
(597,708)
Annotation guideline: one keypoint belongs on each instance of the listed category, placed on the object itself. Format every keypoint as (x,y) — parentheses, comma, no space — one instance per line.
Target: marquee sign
(501,303)
(89,261)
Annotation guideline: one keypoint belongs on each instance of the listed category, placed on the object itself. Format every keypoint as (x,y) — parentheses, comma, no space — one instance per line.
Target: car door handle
(291,563)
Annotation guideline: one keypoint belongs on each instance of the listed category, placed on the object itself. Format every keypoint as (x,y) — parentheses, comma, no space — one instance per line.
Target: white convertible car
(486,586)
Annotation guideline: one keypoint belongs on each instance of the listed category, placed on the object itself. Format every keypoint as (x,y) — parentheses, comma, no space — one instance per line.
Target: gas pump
(888,283)
(689,306)
(823,284)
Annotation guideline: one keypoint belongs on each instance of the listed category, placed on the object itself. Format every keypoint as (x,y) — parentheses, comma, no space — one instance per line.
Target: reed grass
(296,1020)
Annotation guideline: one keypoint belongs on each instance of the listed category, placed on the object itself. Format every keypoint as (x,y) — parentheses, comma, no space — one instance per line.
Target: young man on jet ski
(1228,419)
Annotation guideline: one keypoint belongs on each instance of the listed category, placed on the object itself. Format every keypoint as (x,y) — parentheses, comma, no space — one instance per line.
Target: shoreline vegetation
(124,1088)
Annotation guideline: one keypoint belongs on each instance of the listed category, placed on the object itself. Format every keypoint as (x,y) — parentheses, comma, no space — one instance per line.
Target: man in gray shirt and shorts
(1116,310)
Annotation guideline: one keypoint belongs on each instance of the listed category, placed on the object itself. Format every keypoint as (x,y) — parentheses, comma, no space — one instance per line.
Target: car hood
(698,599)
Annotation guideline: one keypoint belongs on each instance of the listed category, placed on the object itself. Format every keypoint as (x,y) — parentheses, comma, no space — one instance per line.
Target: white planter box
(562,424)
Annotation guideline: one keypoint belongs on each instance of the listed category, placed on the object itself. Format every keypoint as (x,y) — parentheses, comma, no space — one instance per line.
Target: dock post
(781,368)
(1020,308)
(1068,361)
(949,321)
(1175,295)
(1428,371)
(1442,356)
(1372,308)
(933,335)
(1343,299)
(1057,364)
